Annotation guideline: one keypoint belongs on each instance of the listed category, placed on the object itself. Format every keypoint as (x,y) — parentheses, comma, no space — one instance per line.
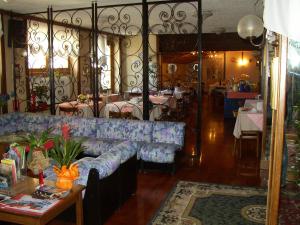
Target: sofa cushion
(80,127)
(55,123)
(158,152)
(168,132)
(83,168)
(132,130)
(8,123)
(96,147)
(33,122)
(106,164)
(127,149)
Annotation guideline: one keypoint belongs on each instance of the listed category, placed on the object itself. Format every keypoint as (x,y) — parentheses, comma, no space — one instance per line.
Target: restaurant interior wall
(213,68)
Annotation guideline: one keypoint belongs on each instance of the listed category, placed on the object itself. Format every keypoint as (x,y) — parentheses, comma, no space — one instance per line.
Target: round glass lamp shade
(250,26)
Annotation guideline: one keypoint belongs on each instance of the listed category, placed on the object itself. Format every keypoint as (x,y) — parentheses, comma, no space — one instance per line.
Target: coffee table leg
(79,212)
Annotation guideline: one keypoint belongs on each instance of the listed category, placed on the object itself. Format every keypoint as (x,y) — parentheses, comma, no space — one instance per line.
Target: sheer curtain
(283,17)
(104,62)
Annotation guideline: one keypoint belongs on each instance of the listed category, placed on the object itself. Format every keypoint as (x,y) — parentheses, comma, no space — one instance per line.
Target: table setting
(249,118)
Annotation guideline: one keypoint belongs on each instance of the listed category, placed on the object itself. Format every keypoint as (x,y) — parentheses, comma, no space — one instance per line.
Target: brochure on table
(27,204)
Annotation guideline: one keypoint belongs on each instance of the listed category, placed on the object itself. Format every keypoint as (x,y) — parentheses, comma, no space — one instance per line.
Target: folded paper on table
(22,203)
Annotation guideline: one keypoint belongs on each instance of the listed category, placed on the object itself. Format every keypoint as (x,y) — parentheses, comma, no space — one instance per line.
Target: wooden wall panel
(210,42)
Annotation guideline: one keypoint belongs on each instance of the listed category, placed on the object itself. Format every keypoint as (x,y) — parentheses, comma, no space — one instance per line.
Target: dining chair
(250,135)
(245,135)
(68,111)
(235,114)
(116,115)
(165,114)
(120,115)
(125,115)
(180,113)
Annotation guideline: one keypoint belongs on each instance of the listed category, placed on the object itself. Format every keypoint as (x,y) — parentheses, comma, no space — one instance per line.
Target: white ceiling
(226,13)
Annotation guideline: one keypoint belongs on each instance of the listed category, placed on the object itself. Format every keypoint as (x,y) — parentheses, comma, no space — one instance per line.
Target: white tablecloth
(248,121)
(252,103)
(169,101)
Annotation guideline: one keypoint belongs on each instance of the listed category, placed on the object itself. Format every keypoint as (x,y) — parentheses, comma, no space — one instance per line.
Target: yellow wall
(233,69)
(132,62)
(211,73)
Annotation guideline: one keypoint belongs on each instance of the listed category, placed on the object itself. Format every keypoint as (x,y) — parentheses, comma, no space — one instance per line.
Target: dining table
(83,109)
(249,118)
(163,100)
(106,98)
(132,106)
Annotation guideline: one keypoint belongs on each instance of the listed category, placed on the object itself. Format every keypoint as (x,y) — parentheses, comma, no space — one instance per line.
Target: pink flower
(49,144)
(65,130)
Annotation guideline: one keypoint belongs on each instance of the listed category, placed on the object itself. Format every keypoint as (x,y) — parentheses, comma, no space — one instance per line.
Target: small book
(49,192)
(6,179)
(11,163)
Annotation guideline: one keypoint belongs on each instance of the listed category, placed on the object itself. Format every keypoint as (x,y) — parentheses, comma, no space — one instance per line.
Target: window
(63,42)
(104,62)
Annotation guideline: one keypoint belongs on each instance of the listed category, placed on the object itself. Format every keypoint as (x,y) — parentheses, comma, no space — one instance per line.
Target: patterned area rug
(289,212)
(192,203)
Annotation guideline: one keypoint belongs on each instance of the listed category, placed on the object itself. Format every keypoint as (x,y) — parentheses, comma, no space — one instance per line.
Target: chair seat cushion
(158,152)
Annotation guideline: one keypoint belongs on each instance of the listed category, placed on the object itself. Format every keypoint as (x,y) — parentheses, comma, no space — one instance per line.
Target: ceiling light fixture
(251,27)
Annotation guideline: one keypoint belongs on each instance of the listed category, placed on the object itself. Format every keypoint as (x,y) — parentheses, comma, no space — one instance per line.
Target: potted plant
(82,98)
(64,152)
(42,94)
(37,148)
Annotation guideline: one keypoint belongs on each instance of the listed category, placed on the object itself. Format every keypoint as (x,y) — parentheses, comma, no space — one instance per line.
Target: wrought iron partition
(103,60)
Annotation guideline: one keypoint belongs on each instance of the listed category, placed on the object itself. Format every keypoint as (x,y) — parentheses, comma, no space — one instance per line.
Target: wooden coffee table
(27,186)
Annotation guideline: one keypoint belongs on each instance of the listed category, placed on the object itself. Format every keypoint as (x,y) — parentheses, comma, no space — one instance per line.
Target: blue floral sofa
(108,166)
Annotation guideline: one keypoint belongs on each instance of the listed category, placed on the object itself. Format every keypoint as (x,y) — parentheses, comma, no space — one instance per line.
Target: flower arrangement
(42,93)
(37,148)
(38,142)
(82,98)
(64,152)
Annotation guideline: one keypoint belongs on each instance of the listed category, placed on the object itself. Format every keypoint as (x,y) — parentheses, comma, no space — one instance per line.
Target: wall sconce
(24,53)
(172,68)
(251,27)
(242,61)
